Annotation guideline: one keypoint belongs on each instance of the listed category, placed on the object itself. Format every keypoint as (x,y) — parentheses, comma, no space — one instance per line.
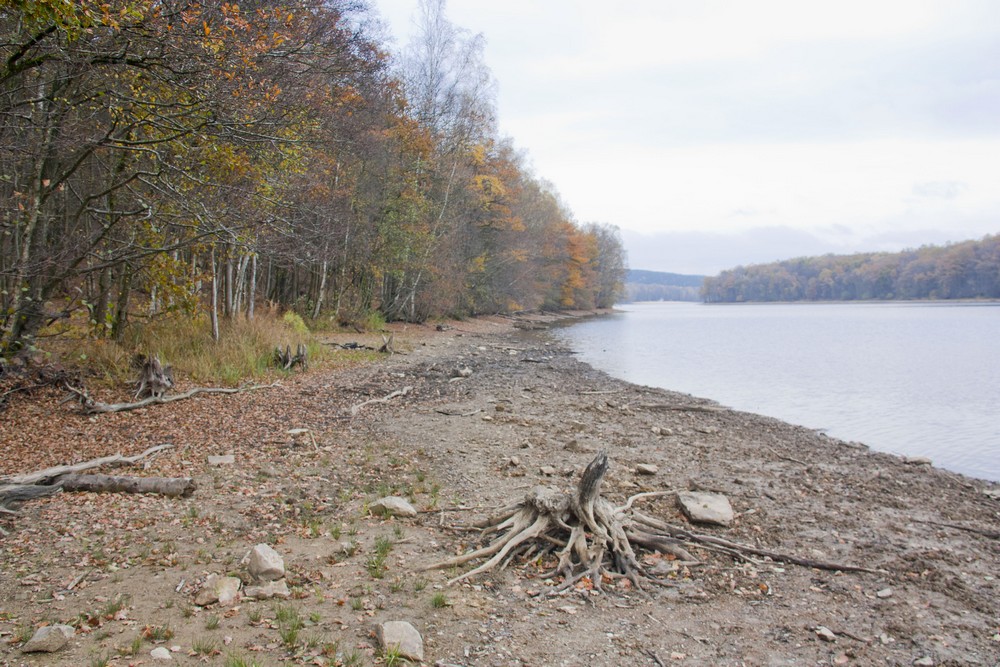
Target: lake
(912,378)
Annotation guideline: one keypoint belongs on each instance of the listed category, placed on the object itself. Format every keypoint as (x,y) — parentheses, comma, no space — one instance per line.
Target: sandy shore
(460,444)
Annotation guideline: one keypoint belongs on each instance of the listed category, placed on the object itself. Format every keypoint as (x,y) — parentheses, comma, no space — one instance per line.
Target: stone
(646,469)
(514,461)
(393,506)
(224,590)
(925,661)
(917,461)
(48,639)
(462,372)
(702,507)
(265,564)
(884,593)
(548,471)
(344,548)
(402,637)
(224,460)
(160,653)
(825,633)
(272,589)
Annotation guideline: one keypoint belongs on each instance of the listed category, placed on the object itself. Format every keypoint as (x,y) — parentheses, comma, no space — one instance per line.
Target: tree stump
(285,360)
(591,538)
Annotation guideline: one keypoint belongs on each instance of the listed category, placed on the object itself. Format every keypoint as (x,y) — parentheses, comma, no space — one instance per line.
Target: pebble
(403,636)
(548,471)
(160,653)
(225,459)
(925,661)
(646,469)
(825,633)
(884,593)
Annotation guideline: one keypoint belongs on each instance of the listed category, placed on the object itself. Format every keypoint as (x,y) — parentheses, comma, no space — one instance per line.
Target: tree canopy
(968,270)
(162,156)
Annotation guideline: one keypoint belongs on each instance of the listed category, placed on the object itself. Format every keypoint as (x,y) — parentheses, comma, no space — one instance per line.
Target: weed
(353,659)
(289,636)
(254,616)
(132,649)
(233,660)
(335,531)
(24,633)
(419,585)
(157,633)
(439,601)
(396,585)
(314,617)
(356,605)
(392,656)
(205,646)
(102,660)
(212,622)
(397,532)
(376,566)
(383,545)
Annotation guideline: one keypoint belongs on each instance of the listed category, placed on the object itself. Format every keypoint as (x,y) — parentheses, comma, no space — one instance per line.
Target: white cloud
(834,119)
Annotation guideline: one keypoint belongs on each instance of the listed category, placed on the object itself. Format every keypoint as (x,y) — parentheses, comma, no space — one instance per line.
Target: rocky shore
(480,413)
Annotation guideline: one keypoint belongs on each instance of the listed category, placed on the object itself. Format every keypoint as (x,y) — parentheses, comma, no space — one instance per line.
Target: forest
(967,270)
(164,157)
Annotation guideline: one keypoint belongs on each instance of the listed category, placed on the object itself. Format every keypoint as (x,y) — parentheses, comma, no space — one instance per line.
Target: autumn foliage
(165,157)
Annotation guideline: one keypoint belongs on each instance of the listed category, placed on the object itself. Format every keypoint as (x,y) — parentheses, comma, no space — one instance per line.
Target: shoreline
(460,445)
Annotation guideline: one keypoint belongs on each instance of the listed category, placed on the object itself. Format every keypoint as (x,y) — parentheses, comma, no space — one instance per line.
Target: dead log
(173,487)
(591,539)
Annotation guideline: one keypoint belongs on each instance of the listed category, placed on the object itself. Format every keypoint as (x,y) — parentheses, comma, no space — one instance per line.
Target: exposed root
(590,538)
(594,540)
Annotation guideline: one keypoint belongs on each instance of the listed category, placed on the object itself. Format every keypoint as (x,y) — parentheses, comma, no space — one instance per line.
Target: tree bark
(165,486)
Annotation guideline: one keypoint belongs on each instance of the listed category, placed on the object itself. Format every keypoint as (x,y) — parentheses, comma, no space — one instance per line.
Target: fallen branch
(399,392)
(985,532)
(92,407)
(49,475)
(747,549)
(451,413)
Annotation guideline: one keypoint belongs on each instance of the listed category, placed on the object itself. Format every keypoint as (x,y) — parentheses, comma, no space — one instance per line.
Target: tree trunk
(252,287)
(215,298)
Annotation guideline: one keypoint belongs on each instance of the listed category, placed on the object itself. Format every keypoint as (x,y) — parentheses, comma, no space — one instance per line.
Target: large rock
(265,564)
(224,590)
(272,589)
(48,639)
(402,637)
(393,506)
(703,507)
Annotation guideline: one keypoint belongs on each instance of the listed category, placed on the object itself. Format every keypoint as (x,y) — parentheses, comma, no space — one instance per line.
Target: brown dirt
(448,444)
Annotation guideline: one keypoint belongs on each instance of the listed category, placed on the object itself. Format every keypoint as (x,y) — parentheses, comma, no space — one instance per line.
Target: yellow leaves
(208,31)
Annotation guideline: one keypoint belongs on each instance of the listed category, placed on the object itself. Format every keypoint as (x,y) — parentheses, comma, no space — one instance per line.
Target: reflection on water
(919,379)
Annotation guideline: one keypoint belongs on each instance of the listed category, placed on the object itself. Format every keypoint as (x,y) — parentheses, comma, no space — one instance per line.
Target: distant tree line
(164,156)
(967,270)
(641,285)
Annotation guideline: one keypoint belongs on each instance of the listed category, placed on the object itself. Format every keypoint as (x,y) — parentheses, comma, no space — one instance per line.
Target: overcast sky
(717,133)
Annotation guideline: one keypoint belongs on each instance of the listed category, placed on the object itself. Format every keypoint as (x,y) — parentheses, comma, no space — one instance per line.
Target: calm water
(918,379)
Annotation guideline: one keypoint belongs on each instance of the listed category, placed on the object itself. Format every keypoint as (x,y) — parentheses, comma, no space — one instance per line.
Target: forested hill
(968,270)
(643,285)
(200,157)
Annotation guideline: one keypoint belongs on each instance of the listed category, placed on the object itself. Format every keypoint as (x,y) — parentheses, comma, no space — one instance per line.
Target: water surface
(918,379)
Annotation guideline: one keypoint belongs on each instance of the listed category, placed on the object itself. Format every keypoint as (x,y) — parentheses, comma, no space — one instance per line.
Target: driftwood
(164,486)
(91,407)
(387,344)
(285,360)
(399,392)
(592,539)
(17,489)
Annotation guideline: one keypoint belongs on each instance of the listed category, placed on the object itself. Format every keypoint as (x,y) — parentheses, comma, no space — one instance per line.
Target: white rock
(403,637)
(917,461)
(265,564)
(646,469)
(925,661)
(224,590)
(548,471)
(825,633)
(703,507)
(272,589)
(393,506)
(160,653)
(884,593)
(226,459)
(48,639)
